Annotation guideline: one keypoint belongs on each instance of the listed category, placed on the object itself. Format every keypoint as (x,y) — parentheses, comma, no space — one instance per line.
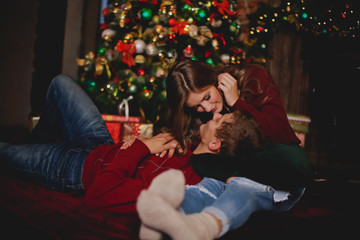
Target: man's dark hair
(241,136)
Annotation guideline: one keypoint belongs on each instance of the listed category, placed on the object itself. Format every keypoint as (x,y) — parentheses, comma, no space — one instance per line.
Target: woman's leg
(201,195)
(159,216)
(70,109)
(242,197)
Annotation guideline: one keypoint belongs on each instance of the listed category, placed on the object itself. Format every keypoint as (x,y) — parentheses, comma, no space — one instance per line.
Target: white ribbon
(125,104)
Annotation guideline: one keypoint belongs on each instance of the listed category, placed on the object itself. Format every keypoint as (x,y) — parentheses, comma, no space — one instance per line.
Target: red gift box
(115,125)
(121,128)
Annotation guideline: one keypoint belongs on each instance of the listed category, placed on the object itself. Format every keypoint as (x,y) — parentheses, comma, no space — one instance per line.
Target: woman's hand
(161,144)
(128,143)
(228,85)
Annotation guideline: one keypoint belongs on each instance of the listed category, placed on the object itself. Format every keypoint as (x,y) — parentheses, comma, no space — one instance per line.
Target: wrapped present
(136,129)
(300,124)
(115,125)
(131,127)
(121,128)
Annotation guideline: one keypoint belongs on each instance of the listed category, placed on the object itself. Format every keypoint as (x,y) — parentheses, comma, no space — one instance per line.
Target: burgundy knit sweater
(113,177)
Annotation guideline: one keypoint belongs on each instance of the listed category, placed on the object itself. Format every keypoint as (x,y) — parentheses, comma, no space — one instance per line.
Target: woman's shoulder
(260,74)
(254,69)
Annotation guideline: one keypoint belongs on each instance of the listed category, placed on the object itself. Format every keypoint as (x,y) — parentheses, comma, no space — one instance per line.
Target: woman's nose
(206,106)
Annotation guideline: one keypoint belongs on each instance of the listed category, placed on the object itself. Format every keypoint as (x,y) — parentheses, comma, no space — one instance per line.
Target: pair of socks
(157,209)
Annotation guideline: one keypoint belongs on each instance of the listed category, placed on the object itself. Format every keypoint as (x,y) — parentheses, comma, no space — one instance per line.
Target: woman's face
(208,100)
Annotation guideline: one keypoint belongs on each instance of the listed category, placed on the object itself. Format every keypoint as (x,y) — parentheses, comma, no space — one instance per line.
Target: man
(86,158)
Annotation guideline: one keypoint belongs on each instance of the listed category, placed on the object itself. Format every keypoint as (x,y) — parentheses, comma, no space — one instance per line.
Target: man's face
(208,130)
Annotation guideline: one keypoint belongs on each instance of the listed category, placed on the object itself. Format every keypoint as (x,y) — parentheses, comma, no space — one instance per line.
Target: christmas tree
(141,40)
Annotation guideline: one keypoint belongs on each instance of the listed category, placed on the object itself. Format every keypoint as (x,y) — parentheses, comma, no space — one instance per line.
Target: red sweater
(272,116)
(113,178)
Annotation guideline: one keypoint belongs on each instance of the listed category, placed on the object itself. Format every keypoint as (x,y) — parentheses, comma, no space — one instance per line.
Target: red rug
(26,209)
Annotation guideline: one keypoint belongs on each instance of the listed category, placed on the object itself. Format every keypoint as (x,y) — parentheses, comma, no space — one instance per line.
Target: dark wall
(48,48)
(34,45)
(334,75)
(18,21)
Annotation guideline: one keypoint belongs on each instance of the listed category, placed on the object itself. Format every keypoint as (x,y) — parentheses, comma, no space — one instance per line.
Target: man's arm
(114,187)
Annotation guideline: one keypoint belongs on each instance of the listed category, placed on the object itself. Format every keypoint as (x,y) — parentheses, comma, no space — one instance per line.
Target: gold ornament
(193,30)
(128,38)
(126,6)
(205,31)
(99,66)
(201,40)
(158,29)
(122,19)
(167,8)
(215,44)
(140,59)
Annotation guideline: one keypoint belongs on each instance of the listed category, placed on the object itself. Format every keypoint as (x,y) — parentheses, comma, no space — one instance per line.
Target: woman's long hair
(184,77)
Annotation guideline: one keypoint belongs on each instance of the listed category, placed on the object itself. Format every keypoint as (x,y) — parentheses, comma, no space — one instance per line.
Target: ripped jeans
(234,202)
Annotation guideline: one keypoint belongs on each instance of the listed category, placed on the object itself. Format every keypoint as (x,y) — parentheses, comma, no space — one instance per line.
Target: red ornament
(127,51)
(141,72)
(208,53)
(223,7)
(105,11)
(171,37)
(172,22)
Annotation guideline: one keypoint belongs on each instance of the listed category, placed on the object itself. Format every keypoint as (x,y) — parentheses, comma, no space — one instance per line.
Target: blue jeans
(69,114)
(234,202)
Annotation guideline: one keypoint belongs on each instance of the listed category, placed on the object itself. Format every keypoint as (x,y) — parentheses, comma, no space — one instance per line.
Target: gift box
(135,129)
(114,124)
(300,124)
(121,128)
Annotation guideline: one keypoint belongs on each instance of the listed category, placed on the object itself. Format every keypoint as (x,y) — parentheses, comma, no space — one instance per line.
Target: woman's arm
(267,108)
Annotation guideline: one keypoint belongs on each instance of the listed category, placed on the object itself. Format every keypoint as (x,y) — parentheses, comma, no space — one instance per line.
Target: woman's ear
(215,145)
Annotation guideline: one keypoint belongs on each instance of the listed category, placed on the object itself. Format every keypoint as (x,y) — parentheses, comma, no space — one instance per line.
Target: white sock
(147,233)
(170,186)
(158,214)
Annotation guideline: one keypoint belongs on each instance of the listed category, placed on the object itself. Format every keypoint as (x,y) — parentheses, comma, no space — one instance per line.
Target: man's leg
(70,109)
(57,166)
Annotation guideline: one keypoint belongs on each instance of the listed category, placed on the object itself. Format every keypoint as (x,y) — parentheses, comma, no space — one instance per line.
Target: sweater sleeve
(114,188)
(271,116)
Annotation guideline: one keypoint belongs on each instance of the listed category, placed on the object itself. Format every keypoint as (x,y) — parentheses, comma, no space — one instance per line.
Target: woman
(194,91)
